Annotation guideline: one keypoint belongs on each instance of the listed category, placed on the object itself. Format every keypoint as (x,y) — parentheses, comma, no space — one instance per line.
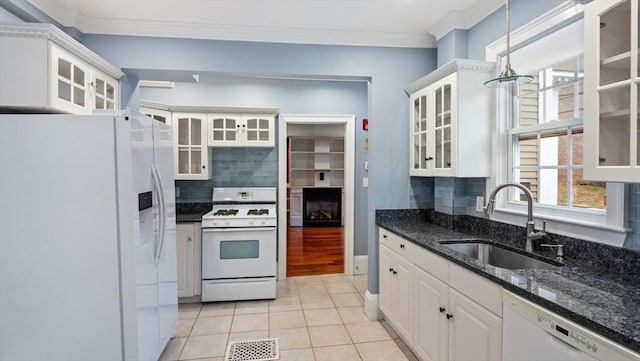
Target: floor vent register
(253,350)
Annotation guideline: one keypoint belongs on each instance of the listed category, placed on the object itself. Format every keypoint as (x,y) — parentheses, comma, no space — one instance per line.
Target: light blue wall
(389,70)
(493,27)
(258,167)
(7,16)
(453,45)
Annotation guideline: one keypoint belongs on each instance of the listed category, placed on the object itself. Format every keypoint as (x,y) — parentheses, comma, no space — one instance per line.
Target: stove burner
(226,212)
(258,212)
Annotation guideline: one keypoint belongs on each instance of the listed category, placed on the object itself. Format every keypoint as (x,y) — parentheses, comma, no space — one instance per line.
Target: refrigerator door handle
(163,215)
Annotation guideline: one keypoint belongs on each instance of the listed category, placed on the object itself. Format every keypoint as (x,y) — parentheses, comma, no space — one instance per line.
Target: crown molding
(453,66)
(206,109)
(465,20)
(51,33)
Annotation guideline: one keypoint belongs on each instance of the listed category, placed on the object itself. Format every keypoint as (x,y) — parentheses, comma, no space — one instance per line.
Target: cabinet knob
(395,272)
(384,236)
(189,239)
(449,316)
(428,158)
(204,166)
(448,164)
(401,245)
(441,309)
(390,269)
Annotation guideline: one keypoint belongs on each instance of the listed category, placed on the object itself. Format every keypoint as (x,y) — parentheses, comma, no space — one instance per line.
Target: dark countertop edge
(435,247)
(192,211)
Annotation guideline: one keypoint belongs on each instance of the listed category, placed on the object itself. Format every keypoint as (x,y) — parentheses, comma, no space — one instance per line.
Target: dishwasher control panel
(568,332)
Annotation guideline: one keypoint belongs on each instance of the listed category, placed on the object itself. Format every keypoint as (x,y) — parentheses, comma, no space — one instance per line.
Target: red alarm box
(365,124)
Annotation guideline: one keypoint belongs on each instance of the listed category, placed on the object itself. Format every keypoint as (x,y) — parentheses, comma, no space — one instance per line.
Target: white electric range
(239,241)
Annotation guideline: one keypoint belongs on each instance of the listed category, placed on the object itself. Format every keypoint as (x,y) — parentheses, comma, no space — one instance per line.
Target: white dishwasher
(531,333)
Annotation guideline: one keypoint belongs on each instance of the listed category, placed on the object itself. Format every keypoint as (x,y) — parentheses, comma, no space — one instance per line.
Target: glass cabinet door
(442,127)
(189,146)
(257,130)
(617,86)
(72,80)
(105,94)
(224,129)
(419,132)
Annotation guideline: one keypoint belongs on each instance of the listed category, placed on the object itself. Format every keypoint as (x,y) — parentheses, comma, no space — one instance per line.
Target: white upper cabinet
(450,112)
(611,91)
(191,152)
(45,70)
(241,130)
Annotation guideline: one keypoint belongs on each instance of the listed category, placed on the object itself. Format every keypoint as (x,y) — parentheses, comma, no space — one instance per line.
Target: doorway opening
(316,198)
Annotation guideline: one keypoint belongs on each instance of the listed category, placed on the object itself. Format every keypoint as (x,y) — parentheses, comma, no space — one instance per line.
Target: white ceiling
(395,23)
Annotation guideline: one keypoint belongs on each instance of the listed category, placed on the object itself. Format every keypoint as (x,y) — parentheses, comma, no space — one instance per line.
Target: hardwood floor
(315,250)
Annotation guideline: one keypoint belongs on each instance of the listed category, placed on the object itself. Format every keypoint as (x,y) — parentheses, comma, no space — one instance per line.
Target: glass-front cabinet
(611,91)
(191,152)
(241,130)
(48,71)
(450,113)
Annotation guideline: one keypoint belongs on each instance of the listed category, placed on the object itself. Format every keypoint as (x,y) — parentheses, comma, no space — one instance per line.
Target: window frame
(601,226)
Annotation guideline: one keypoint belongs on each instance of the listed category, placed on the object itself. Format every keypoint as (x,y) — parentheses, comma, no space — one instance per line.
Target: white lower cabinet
(189,250)
(441,310)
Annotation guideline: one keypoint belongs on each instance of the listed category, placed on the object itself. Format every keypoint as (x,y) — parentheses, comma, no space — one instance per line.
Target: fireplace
(322,207)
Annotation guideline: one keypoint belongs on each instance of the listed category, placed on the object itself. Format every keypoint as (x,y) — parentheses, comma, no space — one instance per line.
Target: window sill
(596,232)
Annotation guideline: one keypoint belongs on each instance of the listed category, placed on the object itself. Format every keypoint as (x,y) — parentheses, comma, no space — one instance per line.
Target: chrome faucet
(532,234)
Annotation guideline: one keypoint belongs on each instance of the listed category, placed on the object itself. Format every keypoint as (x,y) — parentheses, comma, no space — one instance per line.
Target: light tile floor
(314,317)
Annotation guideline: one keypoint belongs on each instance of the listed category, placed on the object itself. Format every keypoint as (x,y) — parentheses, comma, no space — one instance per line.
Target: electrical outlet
(366,165)
(365,182)
(479,203)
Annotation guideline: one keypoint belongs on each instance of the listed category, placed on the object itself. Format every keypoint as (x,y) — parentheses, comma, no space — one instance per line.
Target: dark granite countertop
(598,293)
(191,212)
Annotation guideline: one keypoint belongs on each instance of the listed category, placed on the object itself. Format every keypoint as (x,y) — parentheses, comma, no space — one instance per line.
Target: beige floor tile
(352,314)
(333,353)
(367,331)
(347,299)
(340,287)
(285,304)
(189,310)
(211,325)
(334,278)
(292,338)
(249,307)
(312,290)
(380,351)
(254,322)
(289,282)
(217,309)
(286,291)
(307,280)
(286,319)
(204,346)
(360,283)
(246,336)
(172,350)
(329,335)
(184,327)
(303,354)
(322,317)
(314,302)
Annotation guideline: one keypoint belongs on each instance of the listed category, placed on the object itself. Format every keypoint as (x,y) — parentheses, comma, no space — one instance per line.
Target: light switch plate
(365,182)
(479,203)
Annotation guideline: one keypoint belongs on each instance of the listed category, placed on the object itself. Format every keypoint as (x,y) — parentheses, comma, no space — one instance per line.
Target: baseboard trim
(371,306)
(360,265)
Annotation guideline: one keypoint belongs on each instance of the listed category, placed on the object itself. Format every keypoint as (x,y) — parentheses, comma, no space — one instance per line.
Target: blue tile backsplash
(233,167)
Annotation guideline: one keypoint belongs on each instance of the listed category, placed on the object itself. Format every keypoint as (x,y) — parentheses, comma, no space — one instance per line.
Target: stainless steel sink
(498,256)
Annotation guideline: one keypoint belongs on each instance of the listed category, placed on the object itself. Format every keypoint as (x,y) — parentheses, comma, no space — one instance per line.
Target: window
(547,139)
(539,133)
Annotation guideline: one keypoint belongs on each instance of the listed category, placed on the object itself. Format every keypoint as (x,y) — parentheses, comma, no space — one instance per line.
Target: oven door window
(239,249)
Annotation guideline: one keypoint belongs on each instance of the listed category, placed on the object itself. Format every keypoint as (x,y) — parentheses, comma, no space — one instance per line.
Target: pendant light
(508,77)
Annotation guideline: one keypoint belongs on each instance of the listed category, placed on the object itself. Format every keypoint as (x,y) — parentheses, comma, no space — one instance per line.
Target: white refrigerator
(88,245)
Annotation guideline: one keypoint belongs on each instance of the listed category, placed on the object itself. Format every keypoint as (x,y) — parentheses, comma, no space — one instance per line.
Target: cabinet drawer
(432,263)
(388,239)
(477,288)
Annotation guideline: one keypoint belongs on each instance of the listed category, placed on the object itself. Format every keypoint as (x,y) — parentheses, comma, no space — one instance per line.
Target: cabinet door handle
(449,316)
(441,309)
(401,245)
(384,236)
(390,269)
(189,239)
(395,272)
(428,158)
